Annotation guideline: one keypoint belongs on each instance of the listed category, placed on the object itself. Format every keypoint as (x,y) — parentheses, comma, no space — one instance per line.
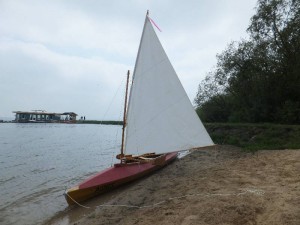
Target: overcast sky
(64,55)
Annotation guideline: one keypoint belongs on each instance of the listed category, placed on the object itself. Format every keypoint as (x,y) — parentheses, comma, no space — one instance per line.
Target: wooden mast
(124,119)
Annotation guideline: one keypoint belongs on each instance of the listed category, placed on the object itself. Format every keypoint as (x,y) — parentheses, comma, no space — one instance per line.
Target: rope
(251,191)
(76,201)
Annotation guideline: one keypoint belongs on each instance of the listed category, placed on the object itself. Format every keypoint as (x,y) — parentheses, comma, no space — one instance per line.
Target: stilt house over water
(41,116)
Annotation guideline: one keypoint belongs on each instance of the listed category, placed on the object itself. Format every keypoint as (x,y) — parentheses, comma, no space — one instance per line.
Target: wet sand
(219,185)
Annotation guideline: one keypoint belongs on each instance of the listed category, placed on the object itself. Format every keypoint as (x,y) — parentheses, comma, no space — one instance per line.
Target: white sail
(160,115)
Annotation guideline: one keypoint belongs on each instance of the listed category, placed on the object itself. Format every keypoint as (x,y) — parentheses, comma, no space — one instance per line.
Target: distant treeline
(258,80)
(106,122)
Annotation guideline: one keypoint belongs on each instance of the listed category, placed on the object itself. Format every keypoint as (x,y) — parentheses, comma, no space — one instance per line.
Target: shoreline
(216,185)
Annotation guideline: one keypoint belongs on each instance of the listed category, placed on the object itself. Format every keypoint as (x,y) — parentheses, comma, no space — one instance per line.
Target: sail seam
(155,116)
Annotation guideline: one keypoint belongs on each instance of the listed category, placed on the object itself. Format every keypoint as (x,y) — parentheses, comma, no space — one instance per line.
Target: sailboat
(159,121)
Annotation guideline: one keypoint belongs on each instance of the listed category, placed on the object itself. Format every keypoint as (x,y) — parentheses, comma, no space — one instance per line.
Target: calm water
(39,161)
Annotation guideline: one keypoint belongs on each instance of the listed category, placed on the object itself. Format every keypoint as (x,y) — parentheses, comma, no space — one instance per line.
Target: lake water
(39,161)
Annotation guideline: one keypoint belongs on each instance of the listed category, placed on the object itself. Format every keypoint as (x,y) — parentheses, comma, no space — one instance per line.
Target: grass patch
(255,136)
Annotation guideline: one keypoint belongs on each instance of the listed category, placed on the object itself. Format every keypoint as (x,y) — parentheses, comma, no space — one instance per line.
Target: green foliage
(258,80)
(255,136)
(218,108)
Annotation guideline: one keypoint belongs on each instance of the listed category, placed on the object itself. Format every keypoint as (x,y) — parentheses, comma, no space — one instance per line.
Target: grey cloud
(72,55)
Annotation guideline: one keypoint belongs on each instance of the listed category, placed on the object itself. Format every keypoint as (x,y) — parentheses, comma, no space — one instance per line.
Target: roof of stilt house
(43,112)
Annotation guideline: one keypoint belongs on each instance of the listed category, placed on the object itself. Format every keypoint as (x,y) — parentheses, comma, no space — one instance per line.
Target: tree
(259,78)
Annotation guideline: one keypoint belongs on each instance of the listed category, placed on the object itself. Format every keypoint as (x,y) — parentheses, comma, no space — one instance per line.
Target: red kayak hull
(113,177)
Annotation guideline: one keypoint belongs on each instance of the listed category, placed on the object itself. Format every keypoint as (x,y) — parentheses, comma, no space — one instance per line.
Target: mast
(124,118)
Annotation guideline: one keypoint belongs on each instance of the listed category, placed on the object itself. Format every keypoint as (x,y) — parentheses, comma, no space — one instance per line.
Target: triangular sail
(160,115)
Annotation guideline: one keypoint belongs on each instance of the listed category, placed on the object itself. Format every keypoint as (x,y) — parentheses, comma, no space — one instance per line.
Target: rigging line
(110,104)
(125,114)
(207,195)
(113,99)
(117,139)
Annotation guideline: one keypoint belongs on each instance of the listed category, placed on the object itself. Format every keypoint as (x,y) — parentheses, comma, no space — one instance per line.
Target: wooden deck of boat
(111,178)
(118,172)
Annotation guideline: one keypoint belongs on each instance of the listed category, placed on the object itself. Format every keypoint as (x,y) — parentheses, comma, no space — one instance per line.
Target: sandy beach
(219,185)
